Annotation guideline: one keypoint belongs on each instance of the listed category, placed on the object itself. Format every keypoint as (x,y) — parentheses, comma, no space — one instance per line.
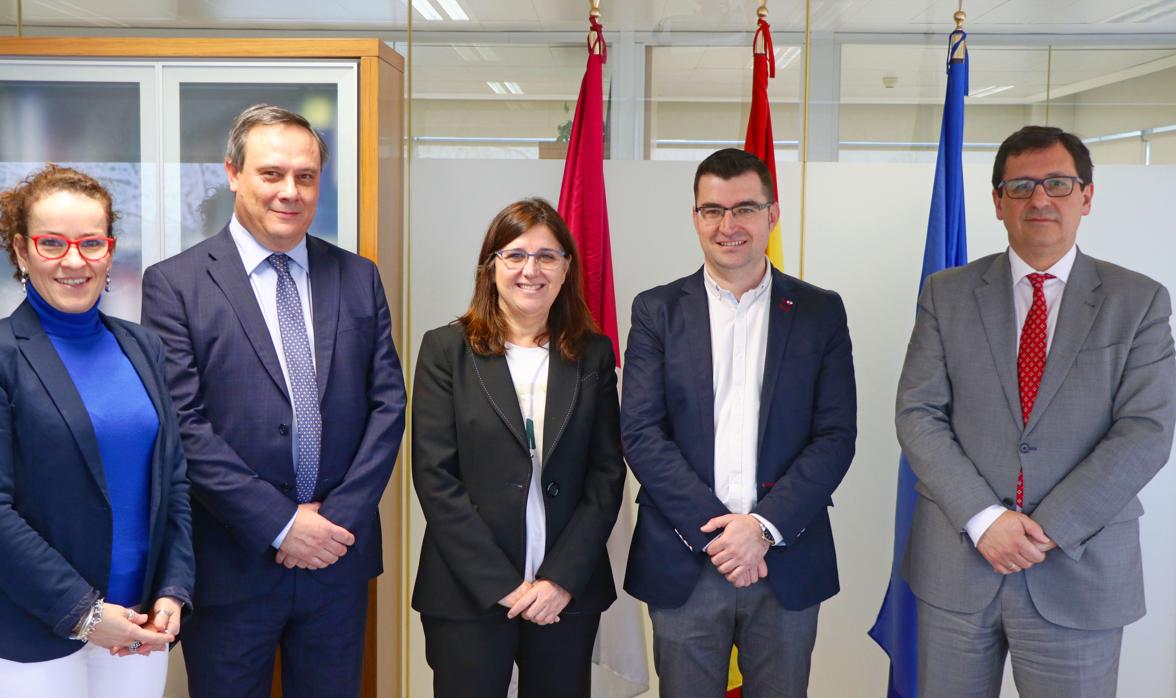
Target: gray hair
(267,115)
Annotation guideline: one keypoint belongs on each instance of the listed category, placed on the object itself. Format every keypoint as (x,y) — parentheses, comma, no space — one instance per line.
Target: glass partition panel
(496,101)
(1122,101)
(94,121)
(700,97)
(208,98)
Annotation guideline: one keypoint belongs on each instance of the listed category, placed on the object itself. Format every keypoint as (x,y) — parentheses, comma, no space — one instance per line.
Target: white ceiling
(901,16)
(1134,37)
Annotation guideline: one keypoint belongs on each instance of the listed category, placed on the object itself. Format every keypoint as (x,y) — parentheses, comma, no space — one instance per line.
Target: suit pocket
(1113,354)
(353,323)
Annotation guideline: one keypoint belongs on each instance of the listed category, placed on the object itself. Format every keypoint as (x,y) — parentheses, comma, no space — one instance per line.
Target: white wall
(865,231)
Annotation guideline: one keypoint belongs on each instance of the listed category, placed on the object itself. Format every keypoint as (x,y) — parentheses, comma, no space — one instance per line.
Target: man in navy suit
(739,419)
(291,406)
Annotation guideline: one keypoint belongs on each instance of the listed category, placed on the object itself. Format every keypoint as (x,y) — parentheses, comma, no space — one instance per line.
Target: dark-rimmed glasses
(52,246)
(1023,187)
(741,212)
(547,258)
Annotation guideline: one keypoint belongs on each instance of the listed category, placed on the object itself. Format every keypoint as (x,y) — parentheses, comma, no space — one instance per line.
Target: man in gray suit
(1036,400)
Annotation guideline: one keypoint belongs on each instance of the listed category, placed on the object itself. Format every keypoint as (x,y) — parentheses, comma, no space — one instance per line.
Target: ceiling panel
(891,16)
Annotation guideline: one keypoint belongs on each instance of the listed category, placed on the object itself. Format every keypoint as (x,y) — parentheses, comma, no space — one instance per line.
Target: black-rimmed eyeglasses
(1023,187)
(741,213)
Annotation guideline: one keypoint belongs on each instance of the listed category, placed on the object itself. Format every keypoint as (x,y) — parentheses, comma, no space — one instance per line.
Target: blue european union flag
(896,627)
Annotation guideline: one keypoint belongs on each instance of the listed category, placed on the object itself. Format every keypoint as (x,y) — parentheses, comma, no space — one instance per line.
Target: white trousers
(88,673)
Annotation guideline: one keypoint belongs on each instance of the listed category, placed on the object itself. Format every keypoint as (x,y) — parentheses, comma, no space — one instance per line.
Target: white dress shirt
(264,280)
(1022,301)
(528,371)
(739,344)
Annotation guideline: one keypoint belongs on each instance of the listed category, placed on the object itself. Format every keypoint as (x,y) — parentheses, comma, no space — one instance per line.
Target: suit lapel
(563,387)
(494,377)
(780,320)
(324,295)
(696,326)
(228,272)
(995,300)
(1080,305)
(146,372)
(46,363)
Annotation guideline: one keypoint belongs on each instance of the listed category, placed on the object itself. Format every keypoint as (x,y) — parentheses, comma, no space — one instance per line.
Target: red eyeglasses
(56,246)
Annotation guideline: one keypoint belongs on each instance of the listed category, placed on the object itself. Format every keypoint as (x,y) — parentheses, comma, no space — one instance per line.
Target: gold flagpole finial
(959,19)
(594,8)
(762,12)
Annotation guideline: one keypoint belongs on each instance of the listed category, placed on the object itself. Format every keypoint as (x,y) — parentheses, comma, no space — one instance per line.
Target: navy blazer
(56,527)
(471,468)
(807,430)
(235,414)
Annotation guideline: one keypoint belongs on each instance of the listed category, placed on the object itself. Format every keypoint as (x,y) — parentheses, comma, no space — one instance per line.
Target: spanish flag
(759,123)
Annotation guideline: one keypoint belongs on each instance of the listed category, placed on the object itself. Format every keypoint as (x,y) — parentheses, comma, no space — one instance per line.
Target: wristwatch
(766,533)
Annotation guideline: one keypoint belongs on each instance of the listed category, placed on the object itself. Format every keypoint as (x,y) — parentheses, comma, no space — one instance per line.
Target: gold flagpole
(593,13)
(808,8)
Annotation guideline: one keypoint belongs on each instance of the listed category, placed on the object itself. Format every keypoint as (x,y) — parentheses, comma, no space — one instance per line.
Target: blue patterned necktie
(303,384)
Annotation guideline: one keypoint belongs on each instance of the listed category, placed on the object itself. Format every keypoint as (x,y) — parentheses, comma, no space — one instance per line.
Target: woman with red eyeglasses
(95,529)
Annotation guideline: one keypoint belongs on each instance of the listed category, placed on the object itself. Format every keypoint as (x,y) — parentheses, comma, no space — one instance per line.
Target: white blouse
(528,371)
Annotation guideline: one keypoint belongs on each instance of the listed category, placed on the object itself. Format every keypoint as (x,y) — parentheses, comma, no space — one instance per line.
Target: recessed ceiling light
(513,87)
(427,10)
(496,87)
(454,10)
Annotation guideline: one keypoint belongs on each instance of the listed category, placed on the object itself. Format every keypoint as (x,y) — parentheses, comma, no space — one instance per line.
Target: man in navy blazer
(291,407)
(738,418)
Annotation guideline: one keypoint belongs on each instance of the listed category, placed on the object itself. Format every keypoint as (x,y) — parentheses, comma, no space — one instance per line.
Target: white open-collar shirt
(739,345)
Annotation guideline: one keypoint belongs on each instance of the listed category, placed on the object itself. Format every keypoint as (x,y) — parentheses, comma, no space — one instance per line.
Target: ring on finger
(131,614)
(134,646)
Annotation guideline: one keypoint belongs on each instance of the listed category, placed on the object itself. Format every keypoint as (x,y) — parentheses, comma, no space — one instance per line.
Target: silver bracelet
(93,618)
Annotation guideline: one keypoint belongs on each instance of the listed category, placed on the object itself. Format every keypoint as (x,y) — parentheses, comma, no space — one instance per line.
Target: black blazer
(471,468)
(235,415)
(55,520)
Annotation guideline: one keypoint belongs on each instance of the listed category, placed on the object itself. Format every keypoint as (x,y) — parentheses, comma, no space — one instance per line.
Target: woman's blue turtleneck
(125,424)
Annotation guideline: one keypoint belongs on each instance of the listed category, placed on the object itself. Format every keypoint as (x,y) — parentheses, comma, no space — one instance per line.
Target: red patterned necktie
(1031,360)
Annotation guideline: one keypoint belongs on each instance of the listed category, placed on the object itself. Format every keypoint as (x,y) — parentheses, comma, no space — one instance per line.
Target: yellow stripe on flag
(776,248)
(734,678)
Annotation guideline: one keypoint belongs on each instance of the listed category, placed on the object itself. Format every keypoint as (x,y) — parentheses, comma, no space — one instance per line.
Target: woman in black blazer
(516,459)
(94,515)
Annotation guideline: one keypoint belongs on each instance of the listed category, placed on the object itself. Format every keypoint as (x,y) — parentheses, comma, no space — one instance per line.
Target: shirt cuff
(277,544)
(771,529)
(979,523)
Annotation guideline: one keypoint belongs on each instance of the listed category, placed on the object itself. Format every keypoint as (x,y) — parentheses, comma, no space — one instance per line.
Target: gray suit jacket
(1101,428)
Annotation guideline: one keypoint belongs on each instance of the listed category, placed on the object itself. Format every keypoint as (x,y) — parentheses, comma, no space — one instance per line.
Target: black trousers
(474,659)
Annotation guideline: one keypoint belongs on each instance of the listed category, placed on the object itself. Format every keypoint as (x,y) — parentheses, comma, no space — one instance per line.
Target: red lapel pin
(786,305)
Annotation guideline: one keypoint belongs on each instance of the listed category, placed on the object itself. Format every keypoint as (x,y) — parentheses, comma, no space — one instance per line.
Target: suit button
(553,489)
(1025,448)
(283,430)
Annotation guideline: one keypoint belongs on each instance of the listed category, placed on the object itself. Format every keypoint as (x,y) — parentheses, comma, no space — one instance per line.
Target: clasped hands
(1014,542)
(122,627)
(738,552)
(313,542)
(540,601)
